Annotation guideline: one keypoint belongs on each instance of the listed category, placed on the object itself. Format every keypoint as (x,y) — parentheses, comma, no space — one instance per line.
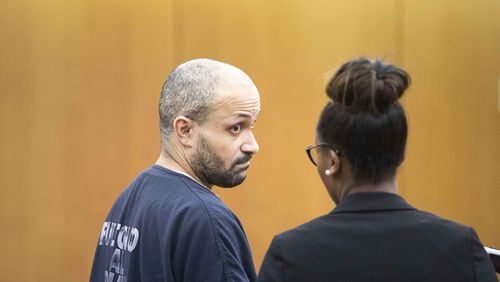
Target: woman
(372,234)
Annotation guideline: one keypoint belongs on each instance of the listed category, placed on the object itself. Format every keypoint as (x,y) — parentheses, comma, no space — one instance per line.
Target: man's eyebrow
(244,115)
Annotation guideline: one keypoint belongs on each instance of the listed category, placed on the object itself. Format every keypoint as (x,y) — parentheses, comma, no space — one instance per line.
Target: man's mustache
(243,159)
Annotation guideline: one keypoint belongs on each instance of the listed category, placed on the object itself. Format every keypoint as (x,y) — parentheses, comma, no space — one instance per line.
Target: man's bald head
(190,90)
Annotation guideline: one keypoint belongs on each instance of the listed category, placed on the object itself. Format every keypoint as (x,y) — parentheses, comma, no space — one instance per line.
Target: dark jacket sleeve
(272,266)
(483,268)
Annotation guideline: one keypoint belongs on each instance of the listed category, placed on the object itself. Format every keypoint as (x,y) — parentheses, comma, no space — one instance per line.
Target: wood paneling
(79,86)
(80,80)
(452,165)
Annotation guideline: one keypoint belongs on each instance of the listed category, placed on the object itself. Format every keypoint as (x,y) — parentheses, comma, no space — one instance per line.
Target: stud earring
(328,172)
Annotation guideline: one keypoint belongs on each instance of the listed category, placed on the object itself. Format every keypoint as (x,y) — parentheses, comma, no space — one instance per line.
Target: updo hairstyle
(364,119)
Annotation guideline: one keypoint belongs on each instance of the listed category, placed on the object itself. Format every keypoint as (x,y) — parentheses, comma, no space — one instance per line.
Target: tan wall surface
(80,80)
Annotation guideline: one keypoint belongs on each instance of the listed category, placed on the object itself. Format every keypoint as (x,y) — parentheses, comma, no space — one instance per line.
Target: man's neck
(167,161)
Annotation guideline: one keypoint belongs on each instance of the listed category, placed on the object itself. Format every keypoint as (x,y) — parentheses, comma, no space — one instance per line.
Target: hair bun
(363,85)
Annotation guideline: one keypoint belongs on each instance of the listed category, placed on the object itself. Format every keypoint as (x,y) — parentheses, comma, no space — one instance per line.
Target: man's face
(225,141)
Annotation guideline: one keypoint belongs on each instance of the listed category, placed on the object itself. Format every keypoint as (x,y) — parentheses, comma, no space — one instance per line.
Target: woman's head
(364,120)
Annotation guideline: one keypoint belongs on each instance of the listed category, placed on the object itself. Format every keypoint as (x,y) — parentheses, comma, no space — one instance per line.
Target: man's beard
(211,170)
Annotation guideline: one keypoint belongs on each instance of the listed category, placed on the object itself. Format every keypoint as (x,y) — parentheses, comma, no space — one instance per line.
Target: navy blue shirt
(167,227)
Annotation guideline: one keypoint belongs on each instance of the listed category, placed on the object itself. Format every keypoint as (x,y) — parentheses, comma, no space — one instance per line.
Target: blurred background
(80,82)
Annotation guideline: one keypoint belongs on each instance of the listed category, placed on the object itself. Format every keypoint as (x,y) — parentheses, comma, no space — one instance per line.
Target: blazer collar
(372,201)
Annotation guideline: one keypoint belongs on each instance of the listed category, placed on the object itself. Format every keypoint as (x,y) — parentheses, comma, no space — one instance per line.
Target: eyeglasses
(313,154)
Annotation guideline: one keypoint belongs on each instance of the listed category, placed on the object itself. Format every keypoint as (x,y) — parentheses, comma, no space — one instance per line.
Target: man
(168,225)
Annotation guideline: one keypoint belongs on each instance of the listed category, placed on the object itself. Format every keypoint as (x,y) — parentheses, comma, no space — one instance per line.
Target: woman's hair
(364,119)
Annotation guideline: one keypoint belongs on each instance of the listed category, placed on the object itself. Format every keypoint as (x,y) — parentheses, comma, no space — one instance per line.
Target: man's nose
(250,145)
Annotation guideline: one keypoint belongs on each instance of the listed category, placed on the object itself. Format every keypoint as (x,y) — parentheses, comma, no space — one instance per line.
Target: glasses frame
(310,147)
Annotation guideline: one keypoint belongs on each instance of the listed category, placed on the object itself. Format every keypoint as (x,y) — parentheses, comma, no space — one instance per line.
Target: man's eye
(236,128)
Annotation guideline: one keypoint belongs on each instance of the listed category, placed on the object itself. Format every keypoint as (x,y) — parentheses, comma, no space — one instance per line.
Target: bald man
(169,225)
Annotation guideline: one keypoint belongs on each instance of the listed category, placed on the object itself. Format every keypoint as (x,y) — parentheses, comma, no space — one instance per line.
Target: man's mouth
(244,165)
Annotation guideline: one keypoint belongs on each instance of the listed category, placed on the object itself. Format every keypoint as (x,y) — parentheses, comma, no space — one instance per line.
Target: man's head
(207,113)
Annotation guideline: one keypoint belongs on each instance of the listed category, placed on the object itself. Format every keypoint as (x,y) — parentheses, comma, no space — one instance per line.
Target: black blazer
(377,237)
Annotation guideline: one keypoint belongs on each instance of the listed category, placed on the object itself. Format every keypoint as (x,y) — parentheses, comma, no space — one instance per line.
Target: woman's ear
(184,130)
(334,169)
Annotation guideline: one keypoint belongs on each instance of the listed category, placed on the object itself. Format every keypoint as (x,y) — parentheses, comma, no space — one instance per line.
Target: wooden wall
(80,80)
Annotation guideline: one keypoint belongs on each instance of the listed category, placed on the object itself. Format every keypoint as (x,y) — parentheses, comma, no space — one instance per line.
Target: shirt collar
(372,201)
(188,176)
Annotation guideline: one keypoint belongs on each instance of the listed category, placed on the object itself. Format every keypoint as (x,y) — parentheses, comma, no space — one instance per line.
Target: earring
(328,172)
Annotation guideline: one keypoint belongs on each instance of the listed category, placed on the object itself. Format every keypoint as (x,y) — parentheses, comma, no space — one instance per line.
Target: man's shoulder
(158,185)
(160,194)
(157,192)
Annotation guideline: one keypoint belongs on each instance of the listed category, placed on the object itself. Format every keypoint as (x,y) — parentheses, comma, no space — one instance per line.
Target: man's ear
(184,130)
(336,165)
